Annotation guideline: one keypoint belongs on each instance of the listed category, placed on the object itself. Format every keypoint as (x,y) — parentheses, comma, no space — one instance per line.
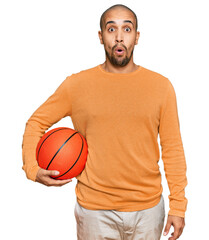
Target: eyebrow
(123,21)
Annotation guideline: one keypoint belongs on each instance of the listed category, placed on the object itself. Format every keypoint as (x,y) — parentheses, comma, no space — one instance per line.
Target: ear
(100,37)
(137,37)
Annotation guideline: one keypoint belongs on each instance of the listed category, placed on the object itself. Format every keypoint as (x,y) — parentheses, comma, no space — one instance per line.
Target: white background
(44,41)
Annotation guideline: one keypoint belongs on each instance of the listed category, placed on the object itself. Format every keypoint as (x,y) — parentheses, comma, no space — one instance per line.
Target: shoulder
(78,78)
(158,79)
(83,73)
(156,75)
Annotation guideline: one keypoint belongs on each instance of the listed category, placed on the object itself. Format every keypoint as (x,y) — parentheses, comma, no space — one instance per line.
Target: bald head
(116,7)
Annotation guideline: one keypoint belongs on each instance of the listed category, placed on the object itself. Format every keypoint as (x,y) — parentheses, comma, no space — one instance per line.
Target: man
(120,108)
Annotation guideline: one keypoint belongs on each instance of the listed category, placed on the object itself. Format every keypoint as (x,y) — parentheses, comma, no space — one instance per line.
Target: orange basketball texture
(62,149)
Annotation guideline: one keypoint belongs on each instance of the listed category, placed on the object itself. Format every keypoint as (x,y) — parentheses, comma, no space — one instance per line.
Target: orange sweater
(120,116)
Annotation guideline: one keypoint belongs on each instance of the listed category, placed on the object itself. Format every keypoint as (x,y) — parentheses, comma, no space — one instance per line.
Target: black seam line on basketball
(60,149)
(75,161)
(45,140)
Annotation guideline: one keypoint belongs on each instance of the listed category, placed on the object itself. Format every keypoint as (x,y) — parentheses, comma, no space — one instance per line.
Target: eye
(128,28)
(110,28)
(113,28)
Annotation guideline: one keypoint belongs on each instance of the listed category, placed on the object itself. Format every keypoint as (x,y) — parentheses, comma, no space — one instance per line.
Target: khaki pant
(114,225)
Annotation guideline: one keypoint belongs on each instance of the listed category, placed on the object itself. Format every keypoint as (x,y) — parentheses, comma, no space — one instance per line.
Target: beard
(118,61)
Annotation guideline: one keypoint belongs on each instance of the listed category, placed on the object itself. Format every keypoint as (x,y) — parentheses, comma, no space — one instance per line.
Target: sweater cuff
(32,172)
(176,213)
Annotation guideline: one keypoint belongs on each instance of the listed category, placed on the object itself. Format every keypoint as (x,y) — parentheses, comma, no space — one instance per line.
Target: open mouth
(119,51)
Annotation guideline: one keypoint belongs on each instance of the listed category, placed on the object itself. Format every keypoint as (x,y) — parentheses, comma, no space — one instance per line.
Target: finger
(175,234)
(171,238)
(55,183)
(180,232)
(182,228)
(167,228)
(62,182)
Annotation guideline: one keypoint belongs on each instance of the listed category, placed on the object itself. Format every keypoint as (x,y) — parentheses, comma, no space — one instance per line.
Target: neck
(130,67)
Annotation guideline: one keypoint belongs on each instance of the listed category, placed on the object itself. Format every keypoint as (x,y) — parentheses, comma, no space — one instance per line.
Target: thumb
(167,228)
(52,172)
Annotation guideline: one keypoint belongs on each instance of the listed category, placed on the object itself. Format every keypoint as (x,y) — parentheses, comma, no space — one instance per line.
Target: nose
(119,40)
(119,36)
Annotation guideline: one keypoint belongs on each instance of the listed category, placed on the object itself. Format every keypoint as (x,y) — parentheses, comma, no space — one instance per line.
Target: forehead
(119,15)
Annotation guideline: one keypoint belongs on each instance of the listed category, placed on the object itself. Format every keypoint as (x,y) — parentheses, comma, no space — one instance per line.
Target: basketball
(62,149)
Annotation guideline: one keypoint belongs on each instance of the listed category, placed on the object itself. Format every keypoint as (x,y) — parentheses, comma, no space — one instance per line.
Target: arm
(174,163)
(56,107)
(173,154)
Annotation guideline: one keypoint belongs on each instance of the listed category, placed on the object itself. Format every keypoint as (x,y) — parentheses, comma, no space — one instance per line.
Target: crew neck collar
(119,74)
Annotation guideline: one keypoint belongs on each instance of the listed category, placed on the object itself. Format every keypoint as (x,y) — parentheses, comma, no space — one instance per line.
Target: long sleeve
(173,153)
(56,107)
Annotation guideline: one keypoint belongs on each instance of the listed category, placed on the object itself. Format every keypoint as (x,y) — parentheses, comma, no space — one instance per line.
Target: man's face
(119,32)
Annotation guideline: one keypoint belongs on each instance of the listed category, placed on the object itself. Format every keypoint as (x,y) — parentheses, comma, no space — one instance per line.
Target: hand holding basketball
(43,177)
